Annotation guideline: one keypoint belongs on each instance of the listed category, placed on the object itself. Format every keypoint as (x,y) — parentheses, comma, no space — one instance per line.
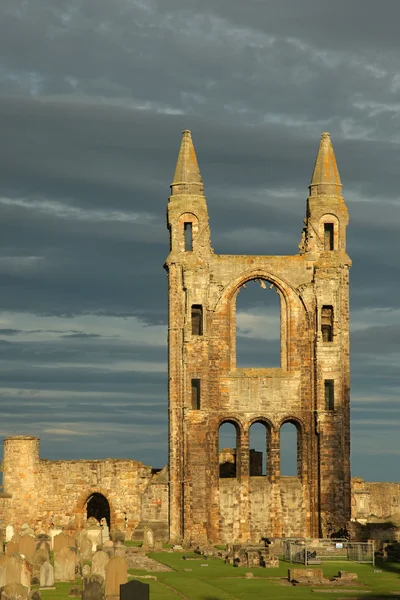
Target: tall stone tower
(310,388)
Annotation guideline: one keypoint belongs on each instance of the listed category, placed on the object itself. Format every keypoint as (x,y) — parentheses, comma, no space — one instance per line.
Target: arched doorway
(97,506)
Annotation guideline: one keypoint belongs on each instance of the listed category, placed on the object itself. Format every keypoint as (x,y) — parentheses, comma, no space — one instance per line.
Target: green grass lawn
(219,581)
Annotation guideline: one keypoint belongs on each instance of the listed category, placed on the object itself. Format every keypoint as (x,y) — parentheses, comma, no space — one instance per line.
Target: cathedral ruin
(204,495)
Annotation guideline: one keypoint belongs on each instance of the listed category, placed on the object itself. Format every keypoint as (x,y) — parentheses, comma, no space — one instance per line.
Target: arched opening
(259,444)
(97,506)
(258,322)
(290,450)
(228,449)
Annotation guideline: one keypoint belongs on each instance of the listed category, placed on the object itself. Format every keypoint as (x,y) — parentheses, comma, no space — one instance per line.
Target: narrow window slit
(196,394)
(197,319)
(188,237)
(328,236)
(327,323)
(329,394)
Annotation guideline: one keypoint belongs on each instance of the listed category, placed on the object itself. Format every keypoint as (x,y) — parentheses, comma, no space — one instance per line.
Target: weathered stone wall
(47,492)
(318,500)
(375,501)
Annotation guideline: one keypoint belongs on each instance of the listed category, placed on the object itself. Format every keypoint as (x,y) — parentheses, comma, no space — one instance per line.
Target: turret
(327,215)
(187,216)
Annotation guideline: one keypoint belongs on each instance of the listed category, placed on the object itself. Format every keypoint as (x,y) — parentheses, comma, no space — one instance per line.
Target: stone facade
(48,493)
(206,389)
(208,494)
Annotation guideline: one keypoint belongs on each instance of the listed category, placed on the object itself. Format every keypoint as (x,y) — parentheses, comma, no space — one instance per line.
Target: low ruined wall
(55,492)
(375,511)
(374,501)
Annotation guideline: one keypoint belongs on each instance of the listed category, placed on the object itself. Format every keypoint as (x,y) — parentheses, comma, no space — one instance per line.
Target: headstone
(12,547)
(99,562)
(158,546)
(2,576)
(26,530)
(105,532)
(135,590)
(119,549)
(148,538)
(39,558)
(93,532)
(26,574)
(13,569)
(9,532)
(60,541)
(35,595)
(27,546)
(116,575)
(86,549)
(64,565)
(42,542)
(46,575)
(117,536)
(14,591)
(53,532)
(93,588)
(86,570)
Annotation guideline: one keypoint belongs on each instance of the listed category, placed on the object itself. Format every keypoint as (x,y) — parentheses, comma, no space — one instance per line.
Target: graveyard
(39,567)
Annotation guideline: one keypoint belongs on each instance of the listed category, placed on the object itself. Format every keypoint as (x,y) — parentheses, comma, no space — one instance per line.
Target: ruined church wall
(375,500)
(45,492)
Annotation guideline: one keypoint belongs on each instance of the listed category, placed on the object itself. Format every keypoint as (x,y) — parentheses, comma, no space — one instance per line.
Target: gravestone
(13,569)
(99,562)
(135,590)
(93,588)
(86,549)
(93,532)
(60,541)
(14,591)
(42,542)
(86,570)
(12,547)
(9,533)
(46,575)
(27,546)
(75,592)
(119,549)
(26,574)
(52,533)
(39,558)
(35,595)
(64,565)
(2,576)
(105,532)
(116,575)
(148,538)
(117,536)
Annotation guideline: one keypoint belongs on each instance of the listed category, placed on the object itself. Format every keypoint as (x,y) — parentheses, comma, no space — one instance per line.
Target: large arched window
(258,325)
(290,450)
(259,439)
(228,449)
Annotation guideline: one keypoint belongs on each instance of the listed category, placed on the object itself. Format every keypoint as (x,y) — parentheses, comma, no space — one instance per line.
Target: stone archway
(97,506)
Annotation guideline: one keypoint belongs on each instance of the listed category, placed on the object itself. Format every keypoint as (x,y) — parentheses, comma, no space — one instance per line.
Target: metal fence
(315,552)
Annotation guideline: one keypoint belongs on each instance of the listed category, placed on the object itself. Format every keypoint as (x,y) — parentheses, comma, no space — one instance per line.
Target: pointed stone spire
(187,178)
(325,179)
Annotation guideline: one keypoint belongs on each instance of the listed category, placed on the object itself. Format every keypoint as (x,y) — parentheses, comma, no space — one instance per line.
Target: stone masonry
(43,493)
(212,494)
(206,389)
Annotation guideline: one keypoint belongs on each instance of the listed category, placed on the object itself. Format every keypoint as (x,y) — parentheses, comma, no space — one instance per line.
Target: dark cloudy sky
(94,96)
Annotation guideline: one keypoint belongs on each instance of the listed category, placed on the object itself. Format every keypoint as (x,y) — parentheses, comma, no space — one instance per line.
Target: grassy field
(218,581)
